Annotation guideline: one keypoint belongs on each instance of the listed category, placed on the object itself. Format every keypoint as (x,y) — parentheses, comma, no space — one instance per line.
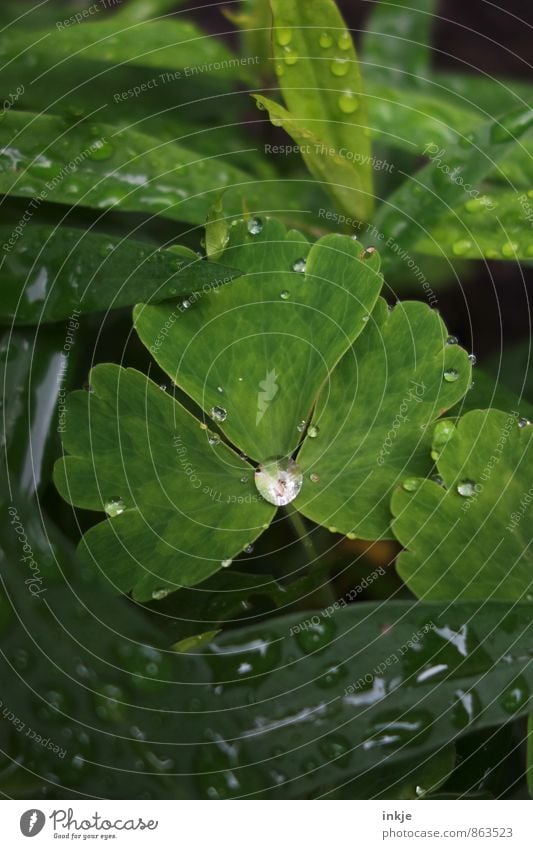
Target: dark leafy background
(312,667)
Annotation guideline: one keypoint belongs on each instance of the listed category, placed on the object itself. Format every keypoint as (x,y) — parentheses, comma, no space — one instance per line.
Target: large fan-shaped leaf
(182,503)
(262,349)
(374,418)
(470,537)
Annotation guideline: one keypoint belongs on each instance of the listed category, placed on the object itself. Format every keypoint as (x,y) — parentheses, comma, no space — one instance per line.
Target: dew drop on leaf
(283,36)
(314,478)
(348,103)
(226,563)
(157,595)
(461,247)
(325,40)
(248,549)
(100,149)
(114,506)
(285,295)
(313,431)
(219,414)
(344,41)
(300,427)
(472,359)
(299,265)
(509,249)
(290,57)
(523,422)
(279,480)
(452,340)
(451,375)
(254,226)
(339,67)
(466,488)
(411,484)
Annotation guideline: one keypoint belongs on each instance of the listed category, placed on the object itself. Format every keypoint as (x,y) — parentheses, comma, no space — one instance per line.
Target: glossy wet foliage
(265,527)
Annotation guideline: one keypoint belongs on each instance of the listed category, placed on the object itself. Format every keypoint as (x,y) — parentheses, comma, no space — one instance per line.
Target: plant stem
(321,596)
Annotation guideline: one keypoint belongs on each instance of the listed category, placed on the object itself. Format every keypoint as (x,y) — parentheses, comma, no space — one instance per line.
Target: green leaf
(181,502)
(174,44)
(285,700)
(51,272)
(37,370)
(375,418)
(469,538)
(449,179)
(397,40)
(530,755)
(496,225)
(319,77)
(135,11)
(105,167)
(253,349)
(216,231)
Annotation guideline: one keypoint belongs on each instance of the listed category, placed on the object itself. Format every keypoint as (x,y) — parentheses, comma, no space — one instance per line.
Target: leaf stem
(301,532)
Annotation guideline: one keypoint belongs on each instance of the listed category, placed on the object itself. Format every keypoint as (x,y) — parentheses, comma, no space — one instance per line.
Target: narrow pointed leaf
(397,40)
(48,272)
(319,77)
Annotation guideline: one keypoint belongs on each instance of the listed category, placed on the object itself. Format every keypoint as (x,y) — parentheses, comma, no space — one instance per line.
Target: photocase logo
(268,388)
(32,822)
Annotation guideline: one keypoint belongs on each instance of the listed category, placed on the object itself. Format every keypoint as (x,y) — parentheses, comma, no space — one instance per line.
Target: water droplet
(114,507)
(437,479)
(226,563)
(452,340)
(339,67)
(248,549)
(325,40)
(344,41)
(157,595)
(331,677)
(316,636)
(254,226)
(475,205)
(366,317)
(184,304)
(213,439)
(466,707)
(509,249)
(244,479)
(300,427)
(299,265)
(367,253)
(466,488)
(515,697)
(314,478)
(461,247)
(411,484)
(313,431)
(523,422)
(290,57)
(219,414)
(444,430)
(279,480)
(100,149)
(285,295)
(348,103)
(283,36)
(220,389)
(472,359)
(451,375)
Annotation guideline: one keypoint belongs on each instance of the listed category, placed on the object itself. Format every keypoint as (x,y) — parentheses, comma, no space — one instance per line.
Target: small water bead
(254,226)
(411,484)
(299,265)
(285,295)
(451,375)
(317,636)
(314,478)
(283,36)
(100,149)
(515,697)
(184,304)
(213,439)
(466,488)
(452,340)
(348,103)
(344,42)
(244,479)
(461,247)
(438,480)
(290,57)
(248,549)
(114,507)
(219,414)
(331,677)
(333,529)
(279,480)
(466,707)
(367,253)
(158,595)
(313,431)
(523,422)
(280,70)
(509,249)
(325,40)
(472,359)
(339,67)
(226,563)
(300,427)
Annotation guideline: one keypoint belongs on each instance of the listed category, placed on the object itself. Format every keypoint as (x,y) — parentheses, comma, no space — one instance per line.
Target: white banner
(245,824)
